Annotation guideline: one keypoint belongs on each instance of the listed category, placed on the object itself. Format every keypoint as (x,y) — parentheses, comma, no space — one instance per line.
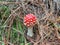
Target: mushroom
(30,21)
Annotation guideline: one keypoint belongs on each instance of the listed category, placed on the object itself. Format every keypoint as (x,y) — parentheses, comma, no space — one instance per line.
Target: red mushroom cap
(29,20)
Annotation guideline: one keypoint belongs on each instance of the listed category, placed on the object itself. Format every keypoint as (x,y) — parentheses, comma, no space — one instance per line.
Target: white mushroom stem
(30,31)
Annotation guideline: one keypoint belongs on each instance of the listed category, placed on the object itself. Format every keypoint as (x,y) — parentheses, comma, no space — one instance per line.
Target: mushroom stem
(30,31)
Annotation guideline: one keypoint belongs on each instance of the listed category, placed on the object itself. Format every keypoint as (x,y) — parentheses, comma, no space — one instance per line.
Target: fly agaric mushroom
(30,21)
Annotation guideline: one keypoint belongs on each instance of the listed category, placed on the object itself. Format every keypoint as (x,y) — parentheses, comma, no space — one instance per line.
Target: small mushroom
(30,21)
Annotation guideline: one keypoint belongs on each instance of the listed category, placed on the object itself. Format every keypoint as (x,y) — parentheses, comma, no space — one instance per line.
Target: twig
(6,3)
(11,15)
